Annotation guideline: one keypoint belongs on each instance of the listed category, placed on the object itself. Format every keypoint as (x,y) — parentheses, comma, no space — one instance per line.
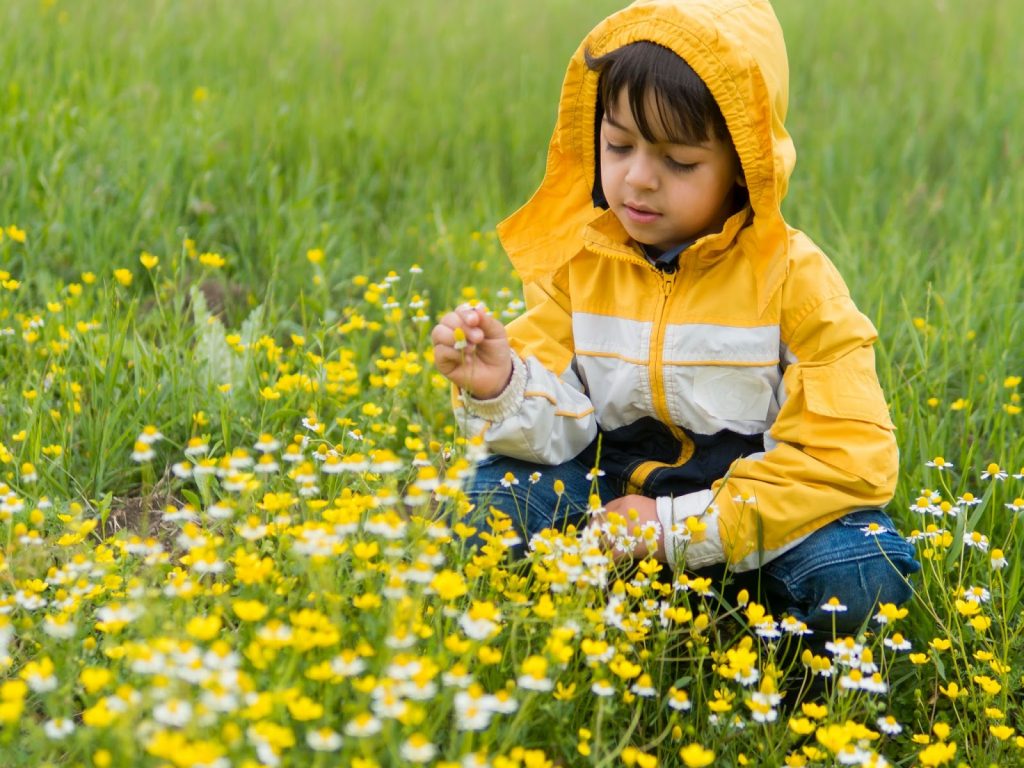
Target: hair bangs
(667,99)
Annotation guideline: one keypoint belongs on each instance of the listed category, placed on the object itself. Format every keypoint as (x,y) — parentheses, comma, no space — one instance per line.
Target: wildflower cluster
(293,581)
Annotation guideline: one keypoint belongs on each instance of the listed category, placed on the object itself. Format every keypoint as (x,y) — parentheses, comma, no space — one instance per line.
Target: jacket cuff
(505,404)
(681,550)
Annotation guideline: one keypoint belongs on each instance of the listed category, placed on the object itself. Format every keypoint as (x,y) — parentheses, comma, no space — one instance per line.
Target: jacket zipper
(655,352)
(656,355)
(655,367)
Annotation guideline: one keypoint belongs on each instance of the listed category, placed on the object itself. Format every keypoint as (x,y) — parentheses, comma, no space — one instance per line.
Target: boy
(679,333)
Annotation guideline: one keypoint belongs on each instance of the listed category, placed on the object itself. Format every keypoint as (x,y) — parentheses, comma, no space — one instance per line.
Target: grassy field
(227,228)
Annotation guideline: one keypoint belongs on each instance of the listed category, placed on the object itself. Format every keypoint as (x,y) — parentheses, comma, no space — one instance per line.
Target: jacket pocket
(847,424)
(846,394)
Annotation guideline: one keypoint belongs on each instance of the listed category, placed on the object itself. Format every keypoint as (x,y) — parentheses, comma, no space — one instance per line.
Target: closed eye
(675,165)
(618,149)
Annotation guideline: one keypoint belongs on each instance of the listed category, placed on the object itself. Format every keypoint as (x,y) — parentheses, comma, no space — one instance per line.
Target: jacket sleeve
(831,449)
(544,415)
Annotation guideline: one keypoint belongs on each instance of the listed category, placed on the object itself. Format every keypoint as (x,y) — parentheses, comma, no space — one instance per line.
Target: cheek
(702,190)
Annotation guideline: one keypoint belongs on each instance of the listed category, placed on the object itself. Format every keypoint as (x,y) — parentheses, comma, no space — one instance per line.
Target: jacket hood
(737,49)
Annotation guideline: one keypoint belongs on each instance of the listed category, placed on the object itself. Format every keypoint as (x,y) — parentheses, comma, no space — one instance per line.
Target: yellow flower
(304,709)
(695,756)
(624,668)
(366,550)
(13,690)
(148,260)
(814,710)
(890,612)
(10,710)
(937,754)
(212,260)
(545,608)
(801,726)
(123,276)
(980,623)
(833,737)
(249,610)
(449,585)
(99,716)
(696,528)
(315,255)
(366,602)
(722,701)
(998,667)
(488,655)
(94,678)
(967,607)
(204,627)
(988,685)
(564,692)
(1001,732)
(535,666)
(17,235)
(954,691)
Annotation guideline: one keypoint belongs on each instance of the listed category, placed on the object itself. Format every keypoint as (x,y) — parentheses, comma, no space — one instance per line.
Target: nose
(642,172)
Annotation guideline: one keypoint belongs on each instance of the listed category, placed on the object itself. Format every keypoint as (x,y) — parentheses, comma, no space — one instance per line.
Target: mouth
(640,213)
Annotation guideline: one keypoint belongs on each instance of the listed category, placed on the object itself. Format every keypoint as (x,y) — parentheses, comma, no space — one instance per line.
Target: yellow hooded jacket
(741,387)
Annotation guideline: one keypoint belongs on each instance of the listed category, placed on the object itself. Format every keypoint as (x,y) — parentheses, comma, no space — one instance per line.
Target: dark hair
(684,105)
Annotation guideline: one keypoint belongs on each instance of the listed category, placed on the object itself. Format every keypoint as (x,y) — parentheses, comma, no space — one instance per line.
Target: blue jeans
(838,560)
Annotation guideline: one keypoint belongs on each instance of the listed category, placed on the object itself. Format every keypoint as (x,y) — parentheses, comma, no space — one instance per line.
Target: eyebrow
(611,121)
(615,124)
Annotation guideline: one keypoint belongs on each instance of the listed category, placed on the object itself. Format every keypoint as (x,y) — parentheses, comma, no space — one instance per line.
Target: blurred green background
(391,133)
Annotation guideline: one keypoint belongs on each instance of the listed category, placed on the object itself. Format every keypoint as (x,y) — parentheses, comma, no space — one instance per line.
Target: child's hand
(471,349)
(646,510)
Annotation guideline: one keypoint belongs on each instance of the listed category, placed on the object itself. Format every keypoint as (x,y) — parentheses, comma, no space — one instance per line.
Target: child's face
(664,193)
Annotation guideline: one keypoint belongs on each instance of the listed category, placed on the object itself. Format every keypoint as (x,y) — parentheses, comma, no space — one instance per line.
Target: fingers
(476,323)
(446,332)
(471,349)
(491,326)
(447,358)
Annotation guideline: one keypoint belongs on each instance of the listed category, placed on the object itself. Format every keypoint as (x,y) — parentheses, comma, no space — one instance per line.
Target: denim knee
(850,561)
